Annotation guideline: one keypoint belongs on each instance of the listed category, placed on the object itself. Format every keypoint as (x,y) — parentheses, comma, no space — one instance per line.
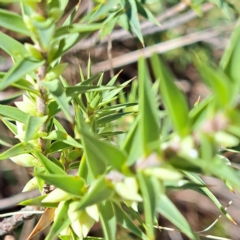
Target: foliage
(117,168)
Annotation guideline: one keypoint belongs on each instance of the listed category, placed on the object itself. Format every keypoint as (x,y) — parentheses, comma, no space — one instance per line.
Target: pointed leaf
(70,184)
(19,70)
(132,14)
(58,91)
(61,220)
(173,99)
(32,126)
(12,47)
(169,211)
(17,149)
(13,113)
(37,201)
(150,189)
(63,137)
(99,191)
(12,21)
(148,124)
(104,151)
(125,221)
(108,219)
(48,164)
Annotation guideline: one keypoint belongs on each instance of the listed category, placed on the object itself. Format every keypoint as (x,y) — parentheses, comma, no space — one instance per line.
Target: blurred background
(186,28)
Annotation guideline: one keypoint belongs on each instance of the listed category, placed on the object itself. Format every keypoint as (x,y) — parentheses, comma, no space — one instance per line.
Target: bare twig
(9,224)
(11,201)
(160,48)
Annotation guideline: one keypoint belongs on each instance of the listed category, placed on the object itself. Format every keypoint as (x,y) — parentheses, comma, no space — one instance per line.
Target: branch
(132,57)
(9,224)
(11,201)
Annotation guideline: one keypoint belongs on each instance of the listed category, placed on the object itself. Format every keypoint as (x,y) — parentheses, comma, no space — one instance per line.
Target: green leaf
(19,70)
(230,59)
(61,220)
(103,151)
(58,91)
(169,211)
(133,18)
(142,10)
(99,11)
(149,122)
(217,81)
(13,113)
(12,21)
(17,149)
(99,191)
(95,165)
(125,221)
(70,184)
(108,219)
(51,167)
(133,144)
(9,99)
(196,179)
(58,146)
(174,100)
(37,201)
(63,137)
(75,90)
(32,126)
(12,47)
(150,188)
(111,117)
(77,28)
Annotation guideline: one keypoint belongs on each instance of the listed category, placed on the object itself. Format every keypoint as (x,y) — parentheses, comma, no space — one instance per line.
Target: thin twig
(11,223)
(11,201)
(132,57)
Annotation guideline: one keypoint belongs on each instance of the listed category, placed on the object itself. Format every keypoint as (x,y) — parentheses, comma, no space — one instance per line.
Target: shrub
(106,168)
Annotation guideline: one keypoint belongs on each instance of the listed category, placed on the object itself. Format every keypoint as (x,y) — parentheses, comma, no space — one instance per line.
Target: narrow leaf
(168,210)
(173,99)
(58,91)
(61,221)
(48,164)
(108,219)
(13,113)
(70,184)
(19,70)
(17,149)
(12,21)
(32,126)
(148,124)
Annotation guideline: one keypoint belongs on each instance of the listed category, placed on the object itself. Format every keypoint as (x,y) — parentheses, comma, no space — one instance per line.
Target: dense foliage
(106,169)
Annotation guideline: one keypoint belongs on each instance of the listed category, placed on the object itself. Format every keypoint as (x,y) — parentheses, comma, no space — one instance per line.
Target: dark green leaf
(173,99)
(32,126)
(19,70)
(16,150)
(12,47)
(37,201)
(108,219)
(12,21)
(125,221)
(70,184)
(58,91)
(149,122)
(169,211)
(48,164)
(61,221)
